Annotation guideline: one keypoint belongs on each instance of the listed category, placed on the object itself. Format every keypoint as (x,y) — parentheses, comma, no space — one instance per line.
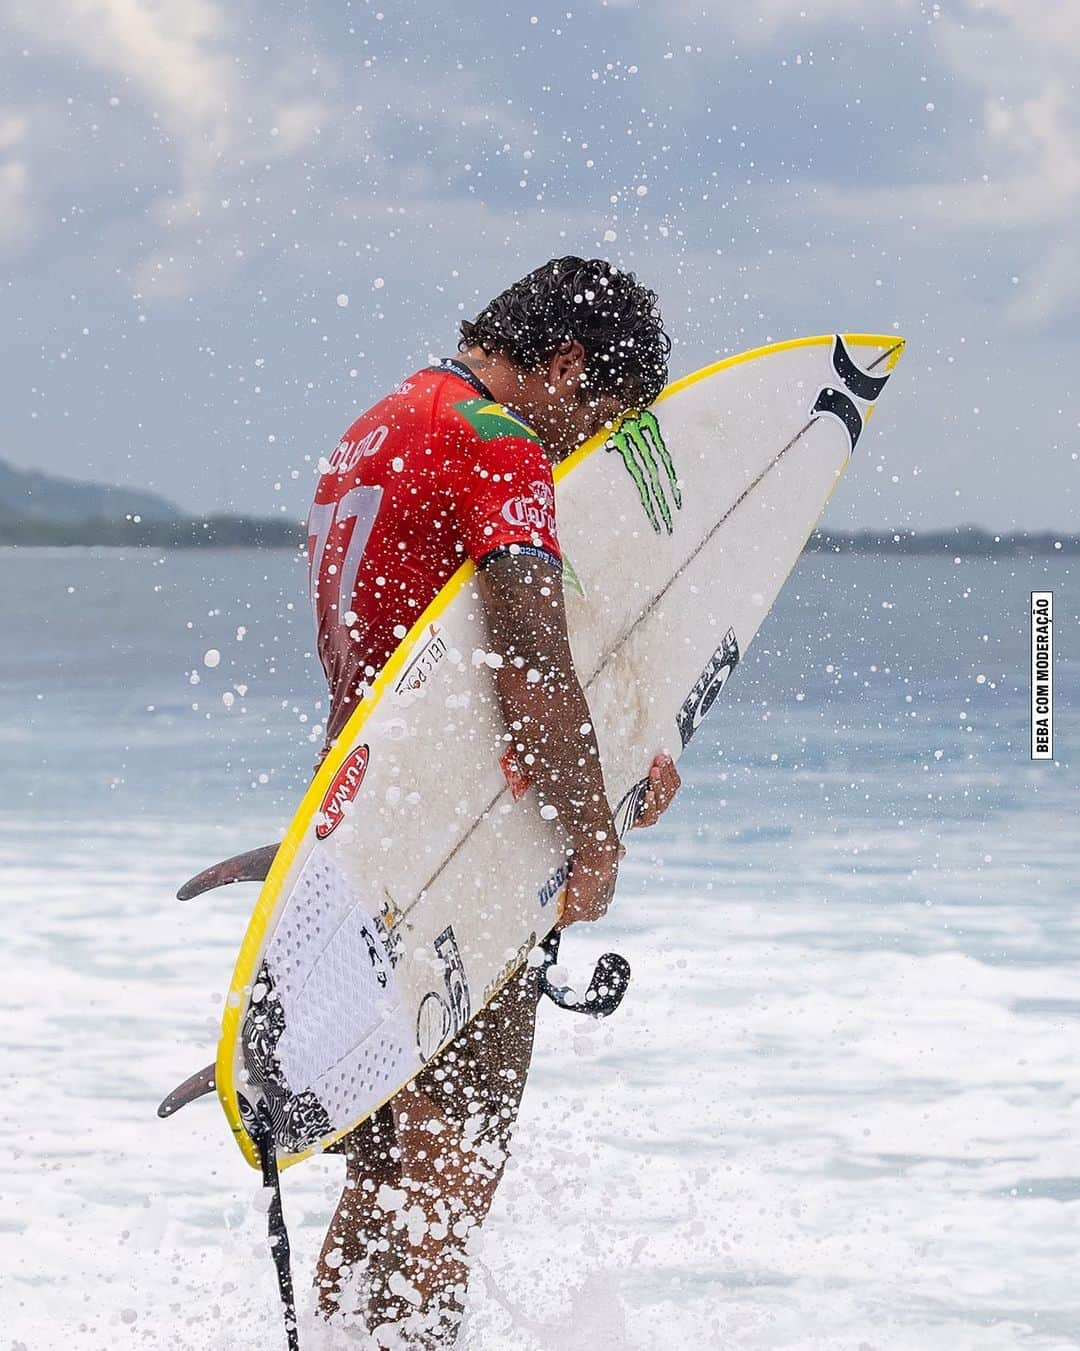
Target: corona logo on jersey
(343,790)
(536,509)
(640,442)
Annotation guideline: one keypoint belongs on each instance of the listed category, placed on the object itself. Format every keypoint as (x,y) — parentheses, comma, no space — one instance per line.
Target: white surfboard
(417,873)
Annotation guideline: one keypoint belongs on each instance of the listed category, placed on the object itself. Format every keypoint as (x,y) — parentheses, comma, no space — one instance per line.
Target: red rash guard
(434,473)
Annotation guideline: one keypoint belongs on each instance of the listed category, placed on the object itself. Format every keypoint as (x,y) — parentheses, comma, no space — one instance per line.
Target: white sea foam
(837,1110)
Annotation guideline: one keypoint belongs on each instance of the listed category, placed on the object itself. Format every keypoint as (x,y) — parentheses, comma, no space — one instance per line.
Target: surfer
(457,462)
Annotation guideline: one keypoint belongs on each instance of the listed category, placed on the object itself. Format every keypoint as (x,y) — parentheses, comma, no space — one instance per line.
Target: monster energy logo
(641,445)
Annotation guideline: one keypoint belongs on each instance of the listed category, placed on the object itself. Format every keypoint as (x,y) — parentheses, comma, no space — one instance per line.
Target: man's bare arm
(541,698)
(548,717)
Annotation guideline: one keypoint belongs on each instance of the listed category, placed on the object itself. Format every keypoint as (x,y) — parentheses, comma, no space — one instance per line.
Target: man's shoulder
(467,403)
(488,420)
(460,411)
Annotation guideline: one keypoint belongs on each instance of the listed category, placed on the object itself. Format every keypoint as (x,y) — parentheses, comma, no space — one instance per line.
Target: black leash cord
(275,1222)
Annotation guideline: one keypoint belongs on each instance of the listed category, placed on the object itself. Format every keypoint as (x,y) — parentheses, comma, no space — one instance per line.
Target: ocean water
(839,1108)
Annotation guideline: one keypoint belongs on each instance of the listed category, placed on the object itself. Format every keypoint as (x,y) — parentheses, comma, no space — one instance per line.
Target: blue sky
(188,189)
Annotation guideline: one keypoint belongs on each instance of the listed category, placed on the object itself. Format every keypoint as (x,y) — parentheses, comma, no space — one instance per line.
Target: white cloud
(226,147)
(17,215)
(177,60)
(220,108)
(1013,168)
(1051,287)
(170,54)
(12,130)
(764,21)
(1021,60)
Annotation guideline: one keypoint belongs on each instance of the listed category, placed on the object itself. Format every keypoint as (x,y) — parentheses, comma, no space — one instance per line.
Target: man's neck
(461,367)
(498,373)
(520,391)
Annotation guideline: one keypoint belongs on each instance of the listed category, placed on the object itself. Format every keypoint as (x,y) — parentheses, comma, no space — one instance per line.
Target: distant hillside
(42,509)
(962,541)
(27,495)
(206,532)
(38,509)
(217,532)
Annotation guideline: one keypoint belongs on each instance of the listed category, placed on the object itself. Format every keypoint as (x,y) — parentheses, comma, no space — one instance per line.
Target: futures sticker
(860,387)
(343,790)
(444,1013)
(641,444)
(707,687)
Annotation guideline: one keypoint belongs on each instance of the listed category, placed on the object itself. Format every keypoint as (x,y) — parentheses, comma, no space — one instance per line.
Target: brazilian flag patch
(491,420)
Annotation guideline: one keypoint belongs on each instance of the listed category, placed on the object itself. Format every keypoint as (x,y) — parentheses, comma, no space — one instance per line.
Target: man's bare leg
(370,1164)
(424,1171)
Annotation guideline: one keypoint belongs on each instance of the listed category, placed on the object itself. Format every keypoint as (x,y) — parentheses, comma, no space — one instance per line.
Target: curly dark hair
(614,318)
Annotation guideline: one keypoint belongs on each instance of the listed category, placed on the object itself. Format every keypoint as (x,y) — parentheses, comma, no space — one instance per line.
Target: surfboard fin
(250,867)
(196,1086)
(610,979)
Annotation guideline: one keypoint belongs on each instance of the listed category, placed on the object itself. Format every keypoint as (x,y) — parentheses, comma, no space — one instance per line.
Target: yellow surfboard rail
(254,940)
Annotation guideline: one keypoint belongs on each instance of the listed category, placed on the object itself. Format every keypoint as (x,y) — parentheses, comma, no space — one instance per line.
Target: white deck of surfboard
(385,937)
